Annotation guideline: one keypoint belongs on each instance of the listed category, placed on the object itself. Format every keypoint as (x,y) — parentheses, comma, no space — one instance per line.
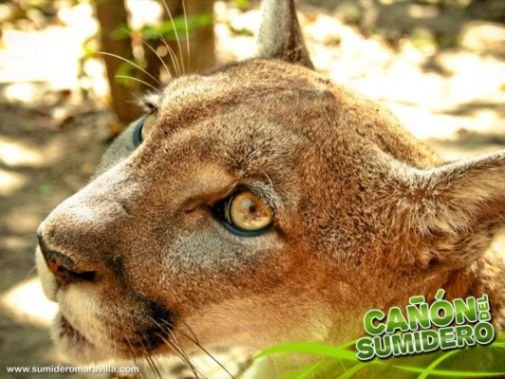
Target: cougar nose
(62,266)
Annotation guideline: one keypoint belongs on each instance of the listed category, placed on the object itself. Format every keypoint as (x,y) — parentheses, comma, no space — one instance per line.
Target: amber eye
(142,128)
(244,213)
(248,212)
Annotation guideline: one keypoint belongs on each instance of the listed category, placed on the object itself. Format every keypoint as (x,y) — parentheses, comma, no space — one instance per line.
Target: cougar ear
(455,208)
(280,35)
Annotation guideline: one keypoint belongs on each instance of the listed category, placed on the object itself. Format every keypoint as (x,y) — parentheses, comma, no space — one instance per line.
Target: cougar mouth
(75,343)
(145,338)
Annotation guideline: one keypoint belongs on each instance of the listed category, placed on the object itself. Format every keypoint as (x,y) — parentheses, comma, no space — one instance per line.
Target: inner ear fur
(280,35)
(468,193)
(454,209)
(456,196)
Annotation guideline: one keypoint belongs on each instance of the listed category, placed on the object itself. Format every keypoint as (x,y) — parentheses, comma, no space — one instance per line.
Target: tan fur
(365,216)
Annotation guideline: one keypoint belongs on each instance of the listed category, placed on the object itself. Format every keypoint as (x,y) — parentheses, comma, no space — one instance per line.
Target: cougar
(260,203)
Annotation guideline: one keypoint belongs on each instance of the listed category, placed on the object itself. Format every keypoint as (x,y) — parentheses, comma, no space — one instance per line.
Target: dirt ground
(442,73)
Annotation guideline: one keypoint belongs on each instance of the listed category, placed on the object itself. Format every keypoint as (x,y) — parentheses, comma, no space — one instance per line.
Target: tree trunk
(201,56)
(111,15)
(202,46)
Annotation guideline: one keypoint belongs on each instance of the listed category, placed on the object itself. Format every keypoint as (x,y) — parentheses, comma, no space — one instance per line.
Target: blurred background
(71,72)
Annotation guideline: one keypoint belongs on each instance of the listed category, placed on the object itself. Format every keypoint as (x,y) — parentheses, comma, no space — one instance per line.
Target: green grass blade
(309,369)
(435,363)
(353,370)
(310,348)
(341,353)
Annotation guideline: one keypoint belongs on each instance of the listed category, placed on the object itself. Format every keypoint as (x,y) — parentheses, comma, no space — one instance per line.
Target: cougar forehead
(260,101)
(247,84)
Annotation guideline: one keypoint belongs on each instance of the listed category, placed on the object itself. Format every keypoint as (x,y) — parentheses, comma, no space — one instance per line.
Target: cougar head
(260,203)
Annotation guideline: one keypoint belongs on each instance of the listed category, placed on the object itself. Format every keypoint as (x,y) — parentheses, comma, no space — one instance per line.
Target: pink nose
(62,266)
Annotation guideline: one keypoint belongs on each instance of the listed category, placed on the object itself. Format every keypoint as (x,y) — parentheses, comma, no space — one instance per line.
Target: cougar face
(263,204)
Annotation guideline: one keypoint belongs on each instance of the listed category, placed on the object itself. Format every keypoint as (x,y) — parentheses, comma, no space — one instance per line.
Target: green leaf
(121,32)
(123,72)
(169,29)
(242,4)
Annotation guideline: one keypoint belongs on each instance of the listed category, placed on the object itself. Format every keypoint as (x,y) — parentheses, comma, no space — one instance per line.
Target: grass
(341,362)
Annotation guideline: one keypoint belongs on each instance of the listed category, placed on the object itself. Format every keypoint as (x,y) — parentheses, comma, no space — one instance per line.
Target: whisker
(206,352)
(30,272)
(130,62)
(270,182)
(175,345)
(158,56)
(188,51)
(148,359)
(155,365)
(173,57)
(181,354)
(137,80)
(194,339)
(133,357)
(169,331)
(114,343)
(176,35)
(190,329)
(151,366)
(109,332)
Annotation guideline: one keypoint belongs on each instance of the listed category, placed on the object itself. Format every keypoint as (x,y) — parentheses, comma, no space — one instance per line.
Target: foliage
(167,29)
(341,362)
(242,4)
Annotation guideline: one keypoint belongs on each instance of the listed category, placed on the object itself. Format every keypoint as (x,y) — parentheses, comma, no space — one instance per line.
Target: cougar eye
(244,213)
(142,128)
